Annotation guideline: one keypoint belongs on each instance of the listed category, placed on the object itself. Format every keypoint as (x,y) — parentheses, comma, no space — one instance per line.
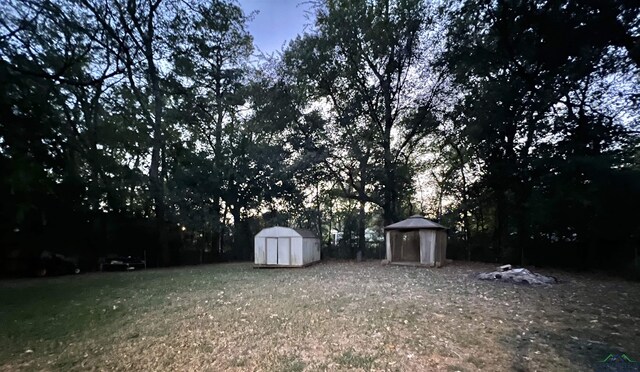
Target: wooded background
(152,128)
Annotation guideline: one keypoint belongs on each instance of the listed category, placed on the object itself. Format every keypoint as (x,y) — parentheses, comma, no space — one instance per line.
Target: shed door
(284,251)
(272,251)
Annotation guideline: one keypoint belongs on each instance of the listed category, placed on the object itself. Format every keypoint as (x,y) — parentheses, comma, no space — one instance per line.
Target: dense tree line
(151,128)
(548,108)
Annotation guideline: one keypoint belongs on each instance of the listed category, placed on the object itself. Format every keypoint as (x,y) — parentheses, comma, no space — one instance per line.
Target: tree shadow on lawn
(44,315)
(569,349)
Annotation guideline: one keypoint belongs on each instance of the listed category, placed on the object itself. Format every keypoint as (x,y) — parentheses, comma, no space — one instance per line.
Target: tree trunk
(361,227)
(239,247)
(217,151)
(523,236)
(522,192)
(465,202)
(500,225)
(319,215)
(156,181)
(390,182)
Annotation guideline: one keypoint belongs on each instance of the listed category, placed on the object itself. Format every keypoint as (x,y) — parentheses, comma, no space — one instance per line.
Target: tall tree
(137,31)
(362,60)
(517,64)
(210,53)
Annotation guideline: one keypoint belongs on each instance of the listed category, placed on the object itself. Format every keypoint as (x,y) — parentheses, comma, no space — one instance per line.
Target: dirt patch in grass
(331,316)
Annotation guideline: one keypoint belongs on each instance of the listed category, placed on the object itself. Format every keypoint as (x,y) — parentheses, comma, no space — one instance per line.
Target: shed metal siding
(260,251)
(441,247)
(316,250)
(311,250)
(272,251)
(296,251)
(284,246)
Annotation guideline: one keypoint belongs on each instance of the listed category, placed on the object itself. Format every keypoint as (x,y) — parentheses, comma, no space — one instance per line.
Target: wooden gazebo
(416,241)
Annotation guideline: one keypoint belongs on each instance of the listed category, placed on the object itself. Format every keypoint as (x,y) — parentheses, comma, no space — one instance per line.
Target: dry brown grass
(331,316)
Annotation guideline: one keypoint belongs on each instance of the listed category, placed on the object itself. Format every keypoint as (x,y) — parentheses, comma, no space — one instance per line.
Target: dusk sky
(277,22)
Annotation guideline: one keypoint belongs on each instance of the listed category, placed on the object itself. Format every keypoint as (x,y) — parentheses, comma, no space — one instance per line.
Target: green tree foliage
(362,60)
(546,111)
(139,110)
(148,128)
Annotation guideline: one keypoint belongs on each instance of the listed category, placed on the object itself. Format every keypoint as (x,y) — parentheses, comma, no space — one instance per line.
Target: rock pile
(522,276)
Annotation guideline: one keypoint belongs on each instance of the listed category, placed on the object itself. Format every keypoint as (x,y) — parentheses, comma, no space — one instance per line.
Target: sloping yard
(331,316)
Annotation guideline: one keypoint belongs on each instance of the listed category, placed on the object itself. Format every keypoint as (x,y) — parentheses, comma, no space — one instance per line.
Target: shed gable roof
(305,233)
(281,231)
(415,222)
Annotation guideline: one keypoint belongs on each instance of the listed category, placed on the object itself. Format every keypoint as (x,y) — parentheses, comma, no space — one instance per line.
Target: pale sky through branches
(277,22)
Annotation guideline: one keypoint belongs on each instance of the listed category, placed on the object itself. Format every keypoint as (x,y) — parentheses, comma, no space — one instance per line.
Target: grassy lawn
(332,316)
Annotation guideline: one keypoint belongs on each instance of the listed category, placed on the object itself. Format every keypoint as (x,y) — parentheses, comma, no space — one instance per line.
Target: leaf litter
(347,316)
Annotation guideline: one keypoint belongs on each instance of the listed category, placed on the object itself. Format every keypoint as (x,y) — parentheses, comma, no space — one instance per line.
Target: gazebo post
(388,244)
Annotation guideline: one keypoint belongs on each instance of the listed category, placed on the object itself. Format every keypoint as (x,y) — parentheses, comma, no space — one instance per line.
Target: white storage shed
(286,247)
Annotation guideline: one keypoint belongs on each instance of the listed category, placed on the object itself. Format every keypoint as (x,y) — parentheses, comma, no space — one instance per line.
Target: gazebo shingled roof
(415,222)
